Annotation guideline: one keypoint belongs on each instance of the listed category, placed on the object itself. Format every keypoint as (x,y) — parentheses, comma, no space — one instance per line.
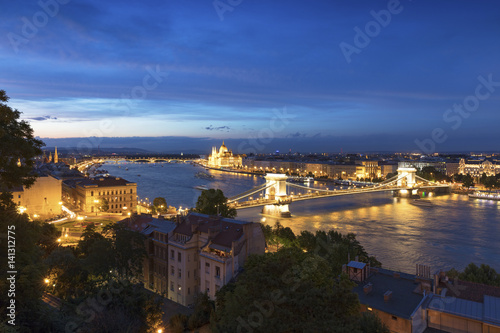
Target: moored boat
(485,195)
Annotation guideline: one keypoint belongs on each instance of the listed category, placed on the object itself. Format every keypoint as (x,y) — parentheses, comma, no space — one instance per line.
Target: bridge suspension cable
(423,179)
(249,192)
(388,182)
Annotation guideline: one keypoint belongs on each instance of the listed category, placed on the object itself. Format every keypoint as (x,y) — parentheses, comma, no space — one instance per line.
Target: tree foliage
(33,242)
(490,182)
(332,245)
(17,144)
(287,291)
(432,174)
(160,205)
(213,202)
(467,181)
(480,274)
(103,204)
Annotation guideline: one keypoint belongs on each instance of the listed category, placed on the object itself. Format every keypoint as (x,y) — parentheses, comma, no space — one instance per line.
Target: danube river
(453,232)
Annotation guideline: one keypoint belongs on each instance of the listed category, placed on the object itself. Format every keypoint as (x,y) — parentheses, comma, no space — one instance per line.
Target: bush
(178,323)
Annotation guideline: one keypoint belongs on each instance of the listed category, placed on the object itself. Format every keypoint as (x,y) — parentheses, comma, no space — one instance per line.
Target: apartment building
(206,252)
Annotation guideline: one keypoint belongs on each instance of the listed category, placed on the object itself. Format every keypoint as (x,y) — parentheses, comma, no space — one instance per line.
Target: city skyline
(329,76)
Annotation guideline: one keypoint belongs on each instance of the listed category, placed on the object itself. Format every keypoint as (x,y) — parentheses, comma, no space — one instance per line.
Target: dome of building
(223,148)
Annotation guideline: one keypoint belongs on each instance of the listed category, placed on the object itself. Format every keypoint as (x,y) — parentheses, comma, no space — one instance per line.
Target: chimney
(387,296)
(356,259)
(368,288)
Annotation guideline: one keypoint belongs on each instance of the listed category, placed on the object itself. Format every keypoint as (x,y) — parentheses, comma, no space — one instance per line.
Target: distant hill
(94,151)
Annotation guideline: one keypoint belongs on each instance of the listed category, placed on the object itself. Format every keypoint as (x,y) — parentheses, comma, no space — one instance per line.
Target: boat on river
(422,203)
(203,175)
(485,195)
(201,187)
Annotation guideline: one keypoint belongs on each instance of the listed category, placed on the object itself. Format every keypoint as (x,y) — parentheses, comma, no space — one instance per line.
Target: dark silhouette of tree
(480,274)
(213,202)
(291,291)
(160,205)
(18,149)
(467,181)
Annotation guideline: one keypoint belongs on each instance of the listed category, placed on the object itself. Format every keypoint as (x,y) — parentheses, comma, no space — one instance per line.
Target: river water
(453,232)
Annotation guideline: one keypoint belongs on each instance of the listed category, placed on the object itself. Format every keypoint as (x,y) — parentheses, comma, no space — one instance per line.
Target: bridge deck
(334,193)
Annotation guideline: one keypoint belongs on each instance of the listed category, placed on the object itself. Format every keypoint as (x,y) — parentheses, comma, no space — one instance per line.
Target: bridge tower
(406,180)
(409,177)
(276,192)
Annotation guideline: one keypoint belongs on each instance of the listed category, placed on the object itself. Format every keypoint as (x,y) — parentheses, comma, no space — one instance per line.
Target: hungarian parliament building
(224,158)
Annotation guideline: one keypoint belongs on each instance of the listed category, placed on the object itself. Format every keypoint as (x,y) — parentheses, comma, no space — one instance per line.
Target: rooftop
(228,230)
(98,182)
(403,302)
(471,291)
(487,311)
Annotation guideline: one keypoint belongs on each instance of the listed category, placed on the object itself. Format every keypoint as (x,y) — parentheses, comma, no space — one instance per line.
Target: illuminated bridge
(276,194)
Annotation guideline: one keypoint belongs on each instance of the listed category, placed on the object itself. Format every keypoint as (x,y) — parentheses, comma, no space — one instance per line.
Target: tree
(432,174)
(18,149)
(289,291)
(391,175)
(103,204)
(213,202)
(371,323)
(467,181)
(31,244)
(202,310)
(480,274)
(490,182)
(160,205)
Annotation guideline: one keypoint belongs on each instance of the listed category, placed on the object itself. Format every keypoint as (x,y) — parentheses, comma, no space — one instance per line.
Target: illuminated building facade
(85,194)
(206,252)
(476,168)
(41,199)
(224,158)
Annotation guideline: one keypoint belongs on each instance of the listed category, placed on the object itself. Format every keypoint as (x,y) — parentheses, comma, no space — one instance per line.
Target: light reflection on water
(452,233)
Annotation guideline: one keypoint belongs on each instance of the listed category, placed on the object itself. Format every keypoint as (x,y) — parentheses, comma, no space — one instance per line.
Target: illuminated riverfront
(451,233)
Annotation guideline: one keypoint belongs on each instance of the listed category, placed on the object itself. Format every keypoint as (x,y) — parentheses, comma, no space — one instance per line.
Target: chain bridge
(277,193)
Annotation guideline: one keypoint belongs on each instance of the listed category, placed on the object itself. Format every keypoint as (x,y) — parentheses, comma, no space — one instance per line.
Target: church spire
(56,157)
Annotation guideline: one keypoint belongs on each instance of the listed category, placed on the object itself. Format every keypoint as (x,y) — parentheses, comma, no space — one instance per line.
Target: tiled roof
(146,224)
(471,291)
(229,233)
(229,230)
(137,222)
(99,182)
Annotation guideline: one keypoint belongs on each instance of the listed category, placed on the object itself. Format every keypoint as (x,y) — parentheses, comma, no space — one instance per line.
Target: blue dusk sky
(302,75)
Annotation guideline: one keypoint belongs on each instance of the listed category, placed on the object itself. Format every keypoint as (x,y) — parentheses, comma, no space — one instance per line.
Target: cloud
(295,135)
(42,118)
(220,128)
